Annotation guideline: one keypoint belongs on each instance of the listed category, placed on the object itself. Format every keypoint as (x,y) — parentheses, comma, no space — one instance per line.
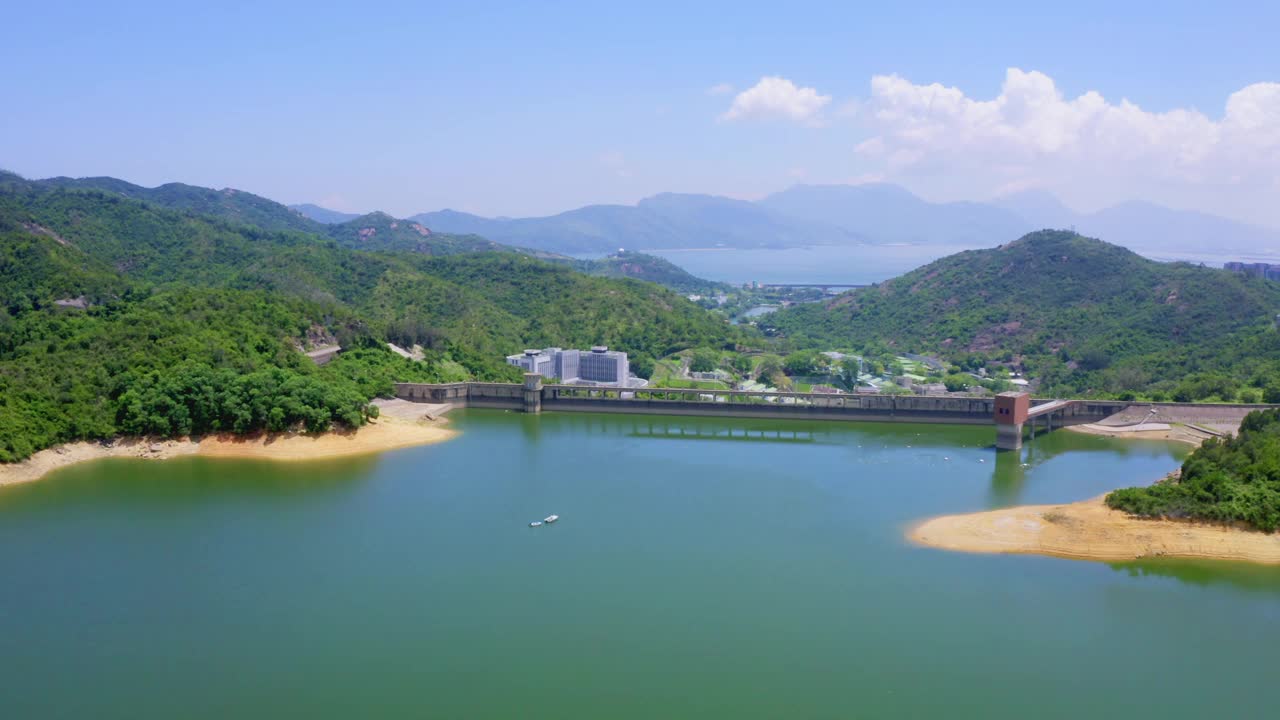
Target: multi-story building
(542,362)
(566,366)
(599,366)
(603,366)
(1262,270)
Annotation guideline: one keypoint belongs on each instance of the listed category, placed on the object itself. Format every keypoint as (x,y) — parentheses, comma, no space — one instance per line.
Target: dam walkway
(533,396)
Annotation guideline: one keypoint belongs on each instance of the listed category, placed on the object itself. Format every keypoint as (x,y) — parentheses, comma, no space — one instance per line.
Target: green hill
(194,323)
(639,266)
(375,231)
(227,203)
(1226,481)
(1083,315)
(380,231)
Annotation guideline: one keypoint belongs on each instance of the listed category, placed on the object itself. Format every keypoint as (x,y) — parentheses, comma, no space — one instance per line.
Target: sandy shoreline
(1089,530)
(1150,431)
(388,432)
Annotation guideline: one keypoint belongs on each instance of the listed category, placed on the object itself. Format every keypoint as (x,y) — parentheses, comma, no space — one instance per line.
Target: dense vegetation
(1231,480)
(178,362)
(628,264)
(1084,316)
(380,231)
(227,204)
(375,231)
(120,316)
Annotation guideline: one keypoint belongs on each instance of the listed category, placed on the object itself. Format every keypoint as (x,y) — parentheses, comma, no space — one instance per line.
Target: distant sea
(858,265)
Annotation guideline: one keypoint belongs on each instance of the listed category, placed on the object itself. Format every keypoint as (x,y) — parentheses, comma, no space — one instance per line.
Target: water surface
(702,568)
(856,265)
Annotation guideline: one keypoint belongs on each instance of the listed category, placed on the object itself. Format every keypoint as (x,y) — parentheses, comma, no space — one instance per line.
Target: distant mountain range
(873,214)
(374,231)
(323,215)
(803,215)
(662,222)
(1146,226)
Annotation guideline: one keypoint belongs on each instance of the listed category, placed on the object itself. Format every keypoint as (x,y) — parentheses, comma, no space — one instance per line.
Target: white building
(536,361)
(599,366)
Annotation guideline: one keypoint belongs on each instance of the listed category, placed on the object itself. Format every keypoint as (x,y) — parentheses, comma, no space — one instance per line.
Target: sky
(536,108)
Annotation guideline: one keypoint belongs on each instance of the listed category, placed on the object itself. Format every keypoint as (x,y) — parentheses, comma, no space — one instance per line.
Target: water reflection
(1008,477)
(1011,469)
(1207,573)
(177,481)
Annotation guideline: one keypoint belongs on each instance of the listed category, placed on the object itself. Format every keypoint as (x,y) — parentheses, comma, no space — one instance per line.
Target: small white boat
(550,519)
(535,523)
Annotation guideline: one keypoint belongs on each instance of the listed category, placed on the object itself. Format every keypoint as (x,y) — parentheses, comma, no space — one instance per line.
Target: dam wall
(1035,415)
(534,396)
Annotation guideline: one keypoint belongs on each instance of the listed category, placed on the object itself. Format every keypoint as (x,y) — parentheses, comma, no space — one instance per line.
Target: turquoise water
(701,568)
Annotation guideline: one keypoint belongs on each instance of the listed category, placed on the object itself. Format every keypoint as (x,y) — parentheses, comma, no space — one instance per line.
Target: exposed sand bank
(1145,431)
(386,433)
(391,431)
(46,461)
(1090,530)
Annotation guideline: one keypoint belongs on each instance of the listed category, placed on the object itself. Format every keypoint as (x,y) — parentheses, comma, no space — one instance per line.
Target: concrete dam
(1009,413)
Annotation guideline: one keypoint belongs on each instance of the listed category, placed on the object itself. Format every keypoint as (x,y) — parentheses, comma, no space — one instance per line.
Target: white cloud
(776,97)
(1087,148)
(720,89)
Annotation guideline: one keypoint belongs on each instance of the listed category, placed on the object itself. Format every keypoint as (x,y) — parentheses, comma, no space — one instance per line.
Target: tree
(704,360)
(849,368)
(642,366)
(957,382)
(803,362)
(771,365)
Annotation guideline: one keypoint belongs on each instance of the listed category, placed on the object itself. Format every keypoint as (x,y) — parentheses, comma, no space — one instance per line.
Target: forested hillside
(375,231)
(228,203)
(1084,316)
(1232,480)
(380,231)
(121,316)
(640,266)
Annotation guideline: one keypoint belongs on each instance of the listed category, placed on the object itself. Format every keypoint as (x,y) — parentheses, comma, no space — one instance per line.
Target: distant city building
(598,366)
(1262,270)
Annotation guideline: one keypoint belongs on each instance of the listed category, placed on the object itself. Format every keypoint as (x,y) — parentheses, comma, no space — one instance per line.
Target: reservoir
(701,567)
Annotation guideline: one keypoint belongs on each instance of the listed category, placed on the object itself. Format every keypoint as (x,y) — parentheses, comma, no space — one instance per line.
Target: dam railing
(533,396)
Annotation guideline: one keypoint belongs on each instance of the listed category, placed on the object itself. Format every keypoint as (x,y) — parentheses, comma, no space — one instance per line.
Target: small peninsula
(1224,503)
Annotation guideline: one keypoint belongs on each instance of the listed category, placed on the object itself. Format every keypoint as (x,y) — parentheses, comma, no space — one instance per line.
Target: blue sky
(535,108)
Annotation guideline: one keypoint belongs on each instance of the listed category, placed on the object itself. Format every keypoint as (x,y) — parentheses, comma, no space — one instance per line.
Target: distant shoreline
(385,433)
(655,251)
